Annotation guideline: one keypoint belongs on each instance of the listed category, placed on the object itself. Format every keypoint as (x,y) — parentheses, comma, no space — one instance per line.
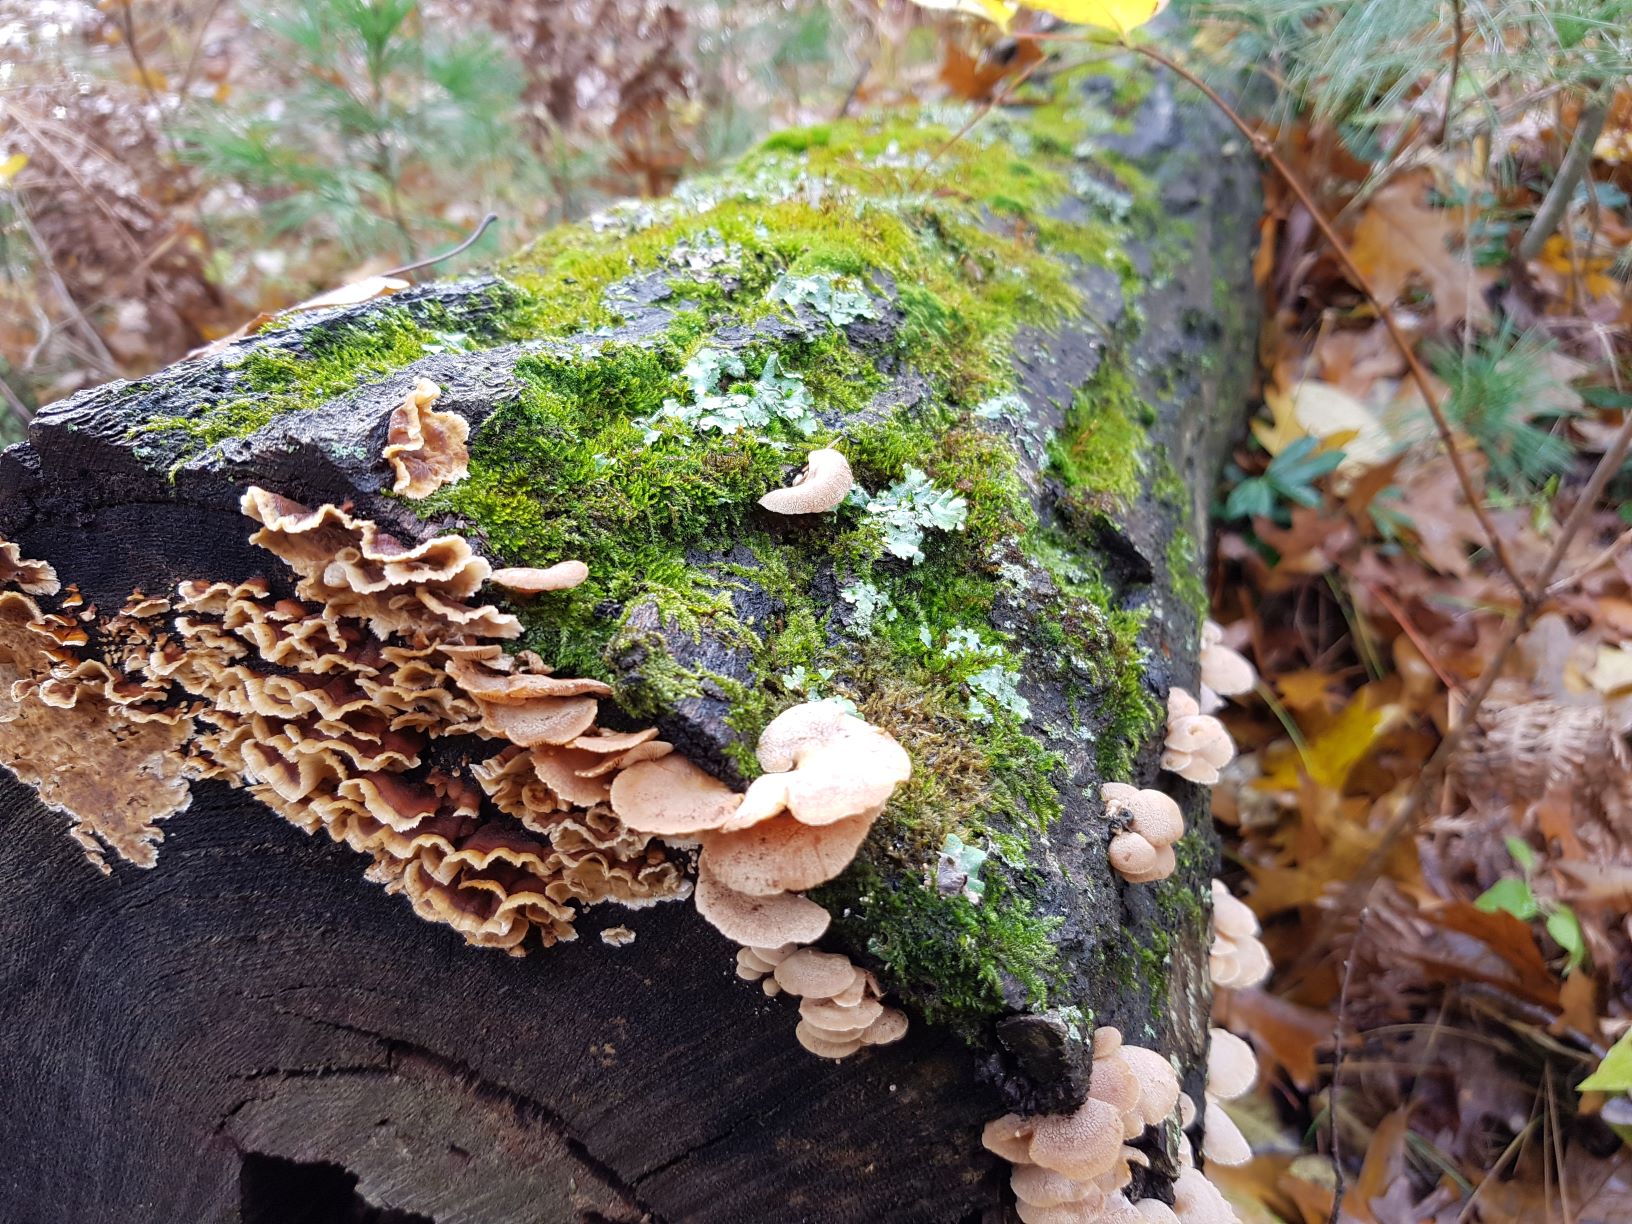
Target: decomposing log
(1027,350)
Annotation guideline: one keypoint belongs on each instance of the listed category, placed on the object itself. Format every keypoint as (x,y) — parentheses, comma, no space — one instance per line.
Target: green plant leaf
(1510,896)
(1565,928)
(1522,854)
(1614,1073)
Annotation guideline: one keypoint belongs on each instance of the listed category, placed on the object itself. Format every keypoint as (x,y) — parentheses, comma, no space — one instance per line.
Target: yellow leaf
(1333,754)
(1118,15)
(1612,672)
(11,166)
(1284,428)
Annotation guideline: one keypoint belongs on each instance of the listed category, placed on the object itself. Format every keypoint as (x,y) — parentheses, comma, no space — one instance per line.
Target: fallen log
(259,654)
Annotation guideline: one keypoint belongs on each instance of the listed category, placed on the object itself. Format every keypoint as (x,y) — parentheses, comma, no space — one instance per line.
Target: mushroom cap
(795,729)
(855,774)
(543,720)
(1232,1067)
(836,1017)
(1156,818)
(1252,963)
(559,769)
(758,921)
(671,797)
(822,1044)
(1187,1111)
(1180,704)
(1045,1188)
(1113,1081)
(823,484)
(525,580)
(1197,1201)
(1082,1144)
(775,956)
(1193,732)
(1232,916)
(815,975)
(1226,671)
(1154,1211)
(751,965)
(1221,1139)
(890,1026)
(1107,1041)
(1131,854)
(1158,1083)
(780,854)
(1009,1137)
(1085,1211)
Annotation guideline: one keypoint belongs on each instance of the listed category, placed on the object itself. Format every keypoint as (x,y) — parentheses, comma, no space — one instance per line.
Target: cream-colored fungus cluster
(1197,745)
(1142,851)
(325,707)
(1075,1168)
(828,776)
(841,1006)
(1238,958)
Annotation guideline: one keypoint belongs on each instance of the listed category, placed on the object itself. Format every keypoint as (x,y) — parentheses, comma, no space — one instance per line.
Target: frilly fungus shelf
(405,634)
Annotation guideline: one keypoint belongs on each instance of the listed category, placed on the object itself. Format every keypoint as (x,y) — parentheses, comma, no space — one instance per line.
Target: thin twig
(469,242)
(92,337)
(1339,1037)
(1419,375)
(1456,68)
(1602,559)
(855,89)
(1577,160)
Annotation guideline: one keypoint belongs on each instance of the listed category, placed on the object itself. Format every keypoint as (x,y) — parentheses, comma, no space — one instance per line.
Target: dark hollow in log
(249,1031)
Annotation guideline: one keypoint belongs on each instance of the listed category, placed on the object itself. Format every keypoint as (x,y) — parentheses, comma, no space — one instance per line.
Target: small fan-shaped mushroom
(759,921)
(1224,672)
(1197,745)
(525,580)
(1009,1137)
(671,797)
(1221,1139)
(1154,1211)
(1045,1188)
(822,1044)
(815,975)
(1232,1067)
(1151,814)
(1158,1083)
(1237,958)
(1082,1144)
(1131,855)
(819,488)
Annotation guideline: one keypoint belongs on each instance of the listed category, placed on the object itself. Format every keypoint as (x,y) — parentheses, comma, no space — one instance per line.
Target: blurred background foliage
(171,168)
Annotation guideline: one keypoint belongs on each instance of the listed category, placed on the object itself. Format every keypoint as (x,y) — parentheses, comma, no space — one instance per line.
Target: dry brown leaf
(1401,241)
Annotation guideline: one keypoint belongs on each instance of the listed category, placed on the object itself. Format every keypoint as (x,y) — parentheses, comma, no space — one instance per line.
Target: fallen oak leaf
(1403,240)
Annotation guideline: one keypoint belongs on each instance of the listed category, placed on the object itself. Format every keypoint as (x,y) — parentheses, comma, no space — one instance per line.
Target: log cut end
(812,542)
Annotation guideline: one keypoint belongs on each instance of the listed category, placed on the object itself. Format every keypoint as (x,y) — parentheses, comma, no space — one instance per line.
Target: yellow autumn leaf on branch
(1118,15)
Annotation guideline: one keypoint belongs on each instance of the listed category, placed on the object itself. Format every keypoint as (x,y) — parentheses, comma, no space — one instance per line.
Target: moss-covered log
(1029,346)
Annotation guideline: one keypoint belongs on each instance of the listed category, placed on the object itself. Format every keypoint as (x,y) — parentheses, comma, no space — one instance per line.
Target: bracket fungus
(425,448)
(1197,745)
(1237,958)
(1142,852)
(821,486)
(1224,672)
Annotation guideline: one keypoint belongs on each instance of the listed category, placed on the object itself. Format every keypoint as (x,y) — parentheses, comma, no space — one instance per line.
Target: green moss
(1100,454)
(1183,572)
(964,961)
